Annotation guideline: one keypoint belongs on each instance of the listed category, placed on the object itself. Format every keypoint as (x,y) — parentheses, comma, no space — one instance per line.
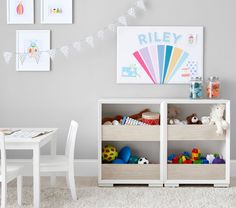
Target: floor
(124,196)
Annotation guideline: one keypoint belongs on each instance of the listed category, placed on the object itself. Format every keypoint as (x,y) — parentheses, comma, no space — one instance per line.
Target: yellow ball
(109,153)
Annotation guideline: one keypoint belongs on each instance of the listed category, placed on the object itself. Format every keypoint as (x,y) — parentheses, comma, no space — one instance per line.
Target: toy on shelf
(172,114)
(133,159)
(109,153)
(118,161)
(124,154)
(143,161)
(205,120)
(130,121)
(193,119)
(196,154)
(151,118)
(109,119)
(115,123)
(217,114)
(210,158)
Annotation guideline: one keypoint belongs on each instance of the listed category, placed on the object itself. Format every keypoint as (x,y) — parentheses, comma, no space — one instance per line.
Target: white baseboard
(88,167)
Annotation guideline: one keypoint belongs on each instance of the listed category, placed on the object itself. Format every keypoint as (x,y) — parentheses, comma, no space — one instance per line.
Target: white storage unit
(157,141)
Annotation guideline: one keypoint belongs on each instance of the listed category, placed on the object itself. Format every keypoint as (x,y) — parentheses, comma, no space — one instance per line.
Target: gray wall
(72,88)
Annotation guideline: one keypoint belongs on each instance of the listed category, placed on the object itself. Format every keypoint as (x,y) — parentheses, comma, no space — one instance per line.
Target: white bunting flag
(100,34)
(7,57)
(65,50)
(90,41)
(112,27)
(22,57)
(122,20)
(77,46)
(52,53)
(140,4)
(131,12)
(37,57)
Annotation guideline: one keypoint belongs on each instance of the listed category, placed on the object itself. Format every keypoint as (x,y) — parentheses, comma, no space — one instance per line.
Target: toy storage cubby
(143,141)
(156,142)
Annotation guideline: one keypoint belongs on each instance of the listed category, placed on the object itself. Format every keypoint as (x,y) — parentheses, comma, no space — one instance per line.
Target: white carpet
(133,197)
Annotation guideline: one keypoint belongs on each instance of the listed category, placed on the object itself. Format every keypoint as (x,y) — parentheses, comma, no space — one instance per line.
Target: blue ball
(125,154)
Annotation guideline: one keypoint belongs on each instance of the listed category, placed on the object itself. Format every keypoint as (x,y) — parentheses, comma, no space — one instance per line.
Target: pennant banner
(7,56)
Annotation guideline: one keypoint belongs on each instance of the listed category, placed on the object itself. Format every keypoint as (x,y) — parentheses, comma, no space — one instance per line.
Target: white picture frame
(56,12)
(20,11)
(32,48)
(159,54)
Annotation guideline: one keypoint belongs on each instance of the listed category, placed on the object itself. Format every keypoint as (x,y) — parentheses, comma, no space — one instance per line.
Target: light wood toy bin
(164,135)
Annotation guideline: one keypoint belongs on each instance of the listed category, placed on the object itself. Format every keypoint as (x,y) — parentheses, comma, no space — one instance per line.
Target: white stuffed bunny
(217,113)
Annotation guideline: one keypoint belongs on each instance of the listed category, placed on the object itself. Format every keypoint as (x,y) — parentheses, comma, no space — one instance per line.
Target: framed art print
(56,12)
(20,11)
(159,55)
(32,48)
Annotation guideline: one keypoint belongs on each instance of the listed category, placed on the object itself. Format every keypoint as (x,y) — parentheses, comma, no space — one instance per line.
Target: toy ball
(109,153)
(118,161)
(143,161)
(125,154)
(133,159)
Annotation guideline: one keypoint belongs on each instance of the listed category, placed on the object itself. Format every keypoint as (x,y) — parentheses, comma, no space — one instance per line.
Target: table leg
(36,172)
(53,153)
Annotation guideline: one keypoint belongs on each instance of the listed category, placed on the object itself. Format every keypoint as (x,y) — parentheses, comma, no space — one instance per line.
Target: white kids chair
(7,174)
(63,163)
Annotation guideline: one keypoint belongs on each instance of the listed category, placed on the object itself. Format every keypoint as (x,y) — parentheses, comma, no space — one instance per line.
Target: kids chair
(63,163)
(7,174)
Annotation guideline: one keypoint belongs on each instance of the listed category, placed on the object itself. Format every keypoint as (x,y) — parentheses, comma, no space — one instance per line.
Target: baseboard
(88,167)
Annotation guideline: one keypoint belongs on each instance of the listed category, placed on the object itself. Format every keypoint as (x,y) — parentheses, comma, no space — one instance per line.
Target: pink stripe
(140,60)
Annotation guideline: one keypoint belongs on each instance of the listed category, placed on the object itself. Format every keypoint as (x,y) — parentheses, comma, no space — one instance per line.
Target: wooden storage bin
(196,171)
(193,132)
(130,172)
(130,133)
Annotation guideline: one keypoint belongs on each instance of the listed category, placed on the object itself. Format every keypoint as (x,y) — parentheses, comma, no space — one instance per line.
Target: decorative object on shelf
(159,55)
(143,161)
(217,118)
(79,44)
(196,88)
(30,45)
(109,153)
(193,119)
(151,118)
(56,12)
(20,12)
(205,120)
(213,87)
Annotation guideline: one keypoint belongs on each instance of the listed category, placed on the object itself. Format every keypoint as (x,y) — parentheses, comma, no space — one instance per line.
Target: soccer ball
(109,153)
(143,160)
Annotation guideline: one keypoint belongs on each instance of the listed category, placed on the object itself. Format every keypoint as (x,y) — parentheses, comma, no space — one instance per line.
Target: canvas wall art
(56,12)
(20,11)
(159,55)
(32,48)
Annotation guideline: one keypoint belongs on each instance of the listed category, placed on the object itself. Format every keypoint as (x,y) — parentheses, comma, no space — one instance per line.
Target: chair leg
(4,194)
(19,190)
(71,178)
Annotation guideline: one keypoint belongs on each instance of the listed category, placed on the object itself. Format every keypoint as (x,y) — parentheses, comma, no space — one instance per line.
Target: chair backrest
(70,144)
(3,157)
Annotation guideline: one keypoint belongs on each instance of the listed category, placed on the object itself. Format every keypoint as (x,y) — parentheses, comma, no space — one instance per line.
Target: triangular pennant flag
(22,57)
(122,20)
(131,12)
(37,57)
(90,41)
(140,4)
(52,53)
(112,27)
(77,46)
(100,34)
(65,50)
(7,57)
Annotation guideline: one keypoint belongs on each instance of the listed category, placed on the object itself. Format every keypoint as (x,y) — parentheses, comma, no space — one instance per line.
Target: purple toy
(218,161)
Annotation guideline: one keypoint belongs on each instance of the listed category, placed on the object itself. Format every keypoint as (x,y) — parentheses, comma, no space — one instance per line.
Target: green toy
(133,159)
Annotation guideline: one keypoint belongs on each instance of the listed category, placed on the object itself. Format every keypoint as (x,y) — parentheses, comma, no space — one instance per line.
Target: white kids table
(34,144)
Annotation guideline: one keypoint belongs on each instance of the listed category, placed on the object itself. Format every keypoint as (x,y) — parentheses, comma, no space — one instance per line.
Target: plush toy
(172,115)
(193,119)
(109,153)
(217,113)
(205,120)
(143,161)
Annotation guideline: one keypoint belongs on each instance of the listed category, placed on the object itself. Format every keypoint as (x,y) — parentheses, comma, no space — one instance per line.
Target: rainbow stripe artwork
(161,62)
(159,54)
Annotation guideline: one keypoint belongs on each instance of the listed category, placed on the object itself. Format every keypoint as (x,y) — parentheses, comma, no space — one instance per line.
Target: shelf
(193,132)
(196,172)
(130,133)
(130,172)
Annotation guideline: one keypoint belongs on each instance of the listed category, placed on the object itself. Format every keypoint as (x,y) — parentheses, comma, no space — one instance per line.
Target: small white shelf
(130,133)
(193,132)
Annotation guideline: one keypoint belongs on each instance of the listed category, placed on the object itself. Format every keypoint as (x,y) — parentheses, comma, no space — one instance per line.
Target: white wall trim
(89,167)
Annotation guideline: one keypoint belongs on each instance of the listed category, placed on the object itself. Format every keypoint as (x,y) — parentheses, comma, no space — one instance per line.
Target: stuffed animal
(217,113)
(193,119)
(172,115)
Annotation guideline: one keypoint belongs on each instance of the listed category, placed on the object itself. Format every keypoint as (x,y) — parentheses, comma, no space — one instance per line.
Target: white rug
(133,197)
